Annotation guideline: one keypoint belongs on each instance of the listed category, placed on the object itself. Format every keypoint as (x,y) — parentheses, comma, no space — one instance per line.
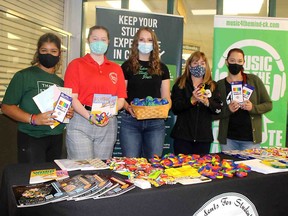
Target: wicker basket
(151,112)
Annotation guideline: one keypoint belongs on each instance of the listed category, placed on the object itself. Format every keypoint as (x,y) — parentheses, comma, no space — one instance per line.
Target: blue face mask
(145,48)
(197,71)
(98,47)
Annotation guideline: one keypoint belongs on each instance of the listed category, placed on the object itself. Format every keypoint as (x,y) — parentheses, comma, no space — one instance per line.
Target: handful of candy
(101,118)
(149,101)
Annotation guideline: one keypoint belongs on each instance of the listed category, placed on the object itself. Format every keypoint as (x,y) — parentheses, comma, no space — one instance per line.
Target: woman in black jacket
(194,100)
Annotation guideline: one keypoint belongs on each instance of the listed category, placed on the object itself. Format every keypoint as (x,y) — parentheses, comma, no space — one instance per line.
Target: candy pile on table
(210,166)
(273,153)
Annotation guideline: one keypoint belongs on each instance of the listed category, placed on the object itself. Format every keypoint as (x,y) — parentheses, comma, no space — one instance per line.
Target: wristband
(90,119)
(33,122)
(30,119)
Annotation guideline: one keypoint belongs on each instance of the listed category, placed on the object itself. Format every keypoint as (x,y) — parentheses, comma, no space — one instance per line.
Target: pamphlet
(39,176)
(38,194)
(247,91)
(237,92)
(62,106)
(119,187)
(71,165)
(61,174)
(47,99)
(104,103)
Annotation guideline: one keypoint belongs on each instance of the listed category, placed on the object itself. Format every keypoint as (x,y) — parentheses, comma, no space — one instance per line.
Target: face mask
(197,71)
(48,60)
(98,47)
(145,48)
(235,68)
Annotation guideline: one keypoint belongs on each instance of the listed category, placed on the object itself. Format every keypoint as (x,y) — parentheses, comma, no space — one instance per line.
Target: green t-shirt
(23,87)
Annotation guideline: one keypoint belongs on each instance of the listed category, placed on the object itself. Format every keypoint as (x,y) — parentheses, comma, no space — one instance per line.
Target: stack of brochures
(78,187)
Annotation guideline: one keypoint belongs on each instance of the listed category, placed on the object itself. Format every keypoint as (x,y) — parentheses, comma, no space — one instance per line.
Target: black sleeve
(166,74)
(215,102)
(180,99)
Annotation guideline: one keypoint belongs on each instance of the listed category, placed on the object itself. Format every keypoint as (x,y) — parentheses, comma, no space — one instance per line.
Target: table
(267,192)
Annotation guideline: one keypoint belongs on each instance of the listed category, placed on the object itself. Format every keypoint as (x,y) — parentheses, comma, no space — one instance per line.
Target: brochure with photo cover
(102,183)
(119,187)
(38,194)
(104,103)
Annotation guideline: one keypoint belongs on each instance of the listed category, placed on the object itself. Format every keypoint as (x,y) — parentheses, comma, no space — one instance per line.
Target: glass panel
(18,42)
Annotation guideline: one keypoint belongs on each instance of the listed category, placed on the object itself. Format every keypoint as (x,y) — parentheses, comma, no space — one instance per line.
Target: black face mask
(235,68)
(48,60)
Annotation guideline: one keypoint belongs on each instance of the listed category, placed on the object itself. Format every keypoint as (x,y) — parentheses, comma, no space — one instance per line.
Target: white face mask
(145,48)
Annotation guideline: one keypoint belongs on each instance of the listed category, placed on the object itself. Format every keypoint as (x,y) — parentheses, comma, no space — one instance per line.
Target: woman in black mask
(194,99)
(240,125)
(36,141)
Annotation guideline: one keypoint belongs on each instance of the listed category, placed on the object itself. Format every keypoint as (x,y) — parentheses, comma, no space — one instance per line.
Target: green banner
(264,42)
(123,25)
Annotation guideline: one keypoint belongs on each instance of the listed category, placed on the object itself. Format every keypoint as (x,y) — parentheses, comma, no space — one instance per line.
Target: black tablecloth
(267,192)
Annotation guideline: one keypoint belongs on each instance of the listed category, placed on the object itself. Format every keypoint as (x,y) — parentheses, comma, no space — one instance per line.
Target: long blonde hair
(154,59)
(207,79)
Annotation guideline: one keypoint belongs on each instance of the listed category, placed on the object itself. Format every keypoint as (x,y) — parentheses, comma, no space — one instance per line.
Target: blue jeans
(142,138)
(238,145)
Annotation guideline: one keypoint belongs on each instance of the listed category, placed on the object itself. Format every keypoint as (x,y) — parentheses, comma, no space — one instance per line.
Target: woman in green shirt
(36,141)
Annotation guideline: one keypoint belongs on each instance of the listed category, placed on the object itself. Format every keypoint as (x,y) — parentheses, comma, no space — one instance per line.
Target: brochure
(247,91)
(47,99)
(62,106)
(237,92)
(71,165)
(102,183)
(119,187)
(104,103)
(78,185)
(38,194)
(39,176)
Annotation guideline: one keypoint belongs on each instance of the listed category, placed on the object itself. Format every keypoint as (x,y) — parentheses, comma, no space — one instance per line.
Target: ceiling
(198,30)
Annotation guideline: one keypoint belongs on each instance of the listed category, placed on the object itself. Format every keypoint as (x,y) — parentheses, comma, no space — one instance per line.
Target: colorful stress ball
(101,118)
(149,101)
(164,101)
(136,101)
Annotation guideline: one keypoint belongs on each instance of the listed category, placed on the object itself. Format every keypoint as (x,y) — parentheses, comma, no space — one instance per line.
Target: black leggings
(187,147)
(39,150)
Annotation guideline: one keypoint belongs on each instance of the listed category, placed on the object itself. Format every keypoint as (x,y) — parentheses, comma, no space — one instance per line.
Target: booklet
(47,99)
(237,92)
(79,185)
(104,103)
(39,176)
(45,175)
(102,183)
(247,91)
(62,106)
(119,187)
(38,194)
(71,165)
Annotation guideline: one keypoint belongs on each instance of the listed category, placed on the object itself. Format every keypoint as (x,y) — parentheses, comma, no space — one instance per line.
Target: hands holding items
(201,95)
(245,105)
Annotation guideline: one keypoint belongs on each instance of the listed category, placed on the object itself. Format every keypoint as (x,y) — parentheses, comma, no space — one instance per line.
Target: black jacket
(194,122)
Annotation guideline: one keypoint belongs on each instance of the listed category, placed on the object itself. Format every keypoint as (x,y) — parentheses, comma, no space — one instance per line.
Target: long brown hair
(48,37)
(186,74)
(154,59)
(242,52)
